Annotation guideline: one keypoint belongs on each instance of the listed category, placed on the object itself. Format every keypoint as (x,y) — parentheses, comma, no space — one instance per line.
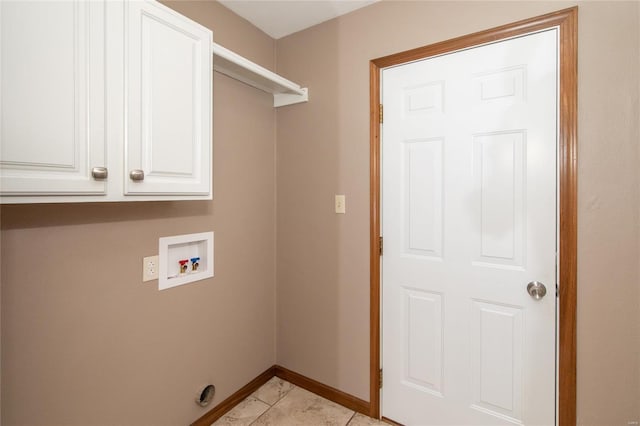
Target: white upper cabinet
(95,92)
(52,83)
(168,102)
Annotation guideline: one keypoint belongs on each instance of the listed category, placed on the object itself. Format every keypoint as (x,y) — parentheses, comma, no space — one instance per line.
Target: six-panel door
(469,218)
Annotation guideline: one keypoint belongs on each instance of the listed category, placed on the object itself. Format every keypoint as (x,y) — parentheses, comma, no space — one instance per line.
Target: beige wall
(323,149)
(85,342)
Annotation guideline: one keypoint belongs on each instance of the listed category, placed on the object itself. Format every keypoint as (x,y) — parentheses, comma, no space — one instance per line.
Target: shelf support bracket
(282,99)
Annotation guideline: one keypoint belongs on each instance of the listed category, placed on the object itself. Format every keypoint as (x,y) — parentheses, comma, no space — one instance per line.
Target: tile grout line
(255,397)
(257,418)
(265,411)
(350,418)
(271,406)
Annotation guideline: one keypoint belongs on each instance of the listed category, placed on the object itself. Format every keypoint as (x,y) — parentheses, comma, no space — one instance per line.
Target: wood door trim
(567,21)
(374,232)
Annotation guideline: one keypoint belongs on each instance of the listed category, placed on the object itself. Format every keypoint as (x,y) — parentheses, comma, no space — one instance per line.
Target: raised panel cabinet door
(52,98)
(169,83)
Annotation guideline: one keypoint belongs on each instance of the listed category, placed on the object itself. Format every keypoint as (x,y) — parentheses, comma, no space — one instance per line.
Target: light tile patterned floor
(279,403)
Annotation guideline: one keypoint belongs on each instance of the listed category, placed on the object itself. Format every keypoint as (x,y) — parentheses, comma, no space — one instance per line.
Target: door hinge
(381,114)
(381,378)
(557,291)
(380,245)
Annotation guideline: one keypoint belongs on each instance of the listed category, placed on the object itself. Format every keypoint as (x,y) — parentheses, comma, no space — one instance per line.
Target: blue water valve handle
(195,263)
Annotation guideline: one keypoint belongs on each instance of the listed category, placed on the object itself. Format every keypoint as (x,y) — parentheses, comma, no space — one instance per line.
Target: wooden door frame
(567,21)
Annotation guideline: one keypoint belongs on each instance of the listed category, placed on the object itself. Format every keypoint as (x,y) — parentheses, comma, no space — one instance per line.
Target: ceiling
(279,18)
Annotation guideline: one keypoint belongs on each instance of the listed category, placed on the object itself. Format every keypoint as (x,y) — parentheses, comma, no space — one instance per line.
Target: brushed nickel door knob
(536,289)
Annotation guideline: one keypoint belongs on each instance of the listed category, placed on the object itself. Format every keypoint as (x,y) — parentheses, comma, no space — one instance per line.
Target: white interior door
(469,219)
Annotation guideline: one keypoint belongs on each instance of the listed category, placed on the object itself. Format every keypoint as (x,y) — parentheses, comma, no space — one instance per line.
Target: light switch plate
(340,204)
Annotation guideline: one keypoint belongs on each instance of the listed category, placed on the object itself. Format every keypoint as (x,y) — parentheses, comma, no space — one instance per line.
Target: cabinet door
(52,86)
(169,77)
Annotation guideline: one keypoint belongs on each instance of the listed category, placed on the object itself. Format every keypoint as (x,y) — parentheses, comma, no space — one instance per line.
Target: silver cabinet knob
(136,174)
(99,172)
(536,289)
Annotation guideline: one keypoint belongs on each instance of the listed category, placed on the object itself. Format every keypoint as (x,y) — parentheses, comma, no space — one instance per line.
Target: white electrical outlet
(340,204)
(150,268)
